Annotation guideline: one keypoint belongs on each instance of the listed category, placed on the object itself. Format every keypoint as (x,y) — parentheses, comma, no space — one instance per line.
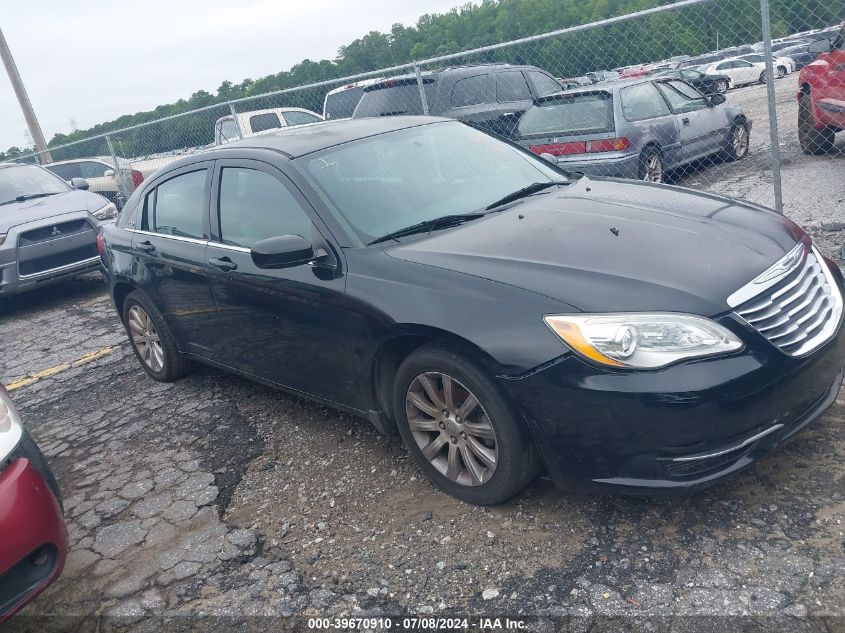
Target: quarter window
(470,91)
(511,86)
(642,101)
(176,206)
(254,206)
(266,121)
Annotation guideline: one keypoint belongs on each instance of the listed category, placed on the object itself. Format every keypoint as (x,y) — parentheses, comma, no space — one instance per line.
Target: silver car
(637,128)
(48,228)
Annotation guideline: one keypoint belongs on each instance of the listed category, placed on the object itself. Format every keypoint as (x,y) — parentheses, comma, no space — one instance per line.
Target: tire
(163,362)
(29,449)
(781,72)
(762,78)
(812,139)
(651,168)
(721,87)
(501,431)
(738,142)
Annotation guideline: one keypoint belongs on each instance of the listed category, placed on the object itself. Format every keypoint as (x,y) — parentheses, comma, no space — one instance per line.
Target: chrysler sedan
(501,315)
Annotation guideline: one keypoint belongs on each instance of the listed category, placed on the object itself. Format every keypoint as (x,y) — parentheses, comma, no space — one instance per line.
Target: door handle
(146,247)
(685,120)
(509,114)
(224,263)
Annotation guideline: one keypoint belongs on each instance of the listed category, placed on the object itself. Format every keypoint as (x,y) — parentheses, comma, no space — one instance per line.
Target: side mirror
(108,173)
(819,46)
(284,251)
(717,99)
(549,158)
(79,183)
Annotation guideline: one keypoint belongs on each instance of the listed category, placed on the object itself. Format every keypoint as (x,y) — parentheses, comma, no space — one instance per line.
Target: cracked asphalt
(218,504)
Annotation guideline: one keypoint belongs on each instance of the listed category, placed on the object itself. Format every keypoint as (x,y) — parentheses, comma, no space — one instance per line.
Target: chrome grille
(795,304)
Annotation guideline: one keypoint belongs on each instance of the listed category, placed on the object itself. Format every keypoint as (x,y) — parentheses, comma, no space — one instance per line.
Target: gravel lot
(215,503)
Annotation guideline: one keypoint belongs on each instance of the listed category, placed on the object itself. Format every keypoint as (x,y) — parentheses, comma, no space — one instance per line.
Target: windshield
(388,182)
(28,180)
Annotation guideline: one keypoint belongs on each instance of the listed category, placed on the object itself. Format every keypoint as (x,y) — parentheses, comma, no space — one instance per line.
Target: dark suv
(491,97)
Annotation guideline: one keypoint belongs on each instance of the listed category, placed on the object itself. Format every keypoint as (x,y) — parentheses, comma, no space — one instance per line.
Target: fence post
(773,115)
(123,192)
(235,119)
(420,88)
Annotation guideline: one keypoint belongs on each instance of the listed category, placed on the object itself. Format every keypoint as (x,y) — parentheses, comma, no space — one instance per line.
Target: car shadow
(53,295)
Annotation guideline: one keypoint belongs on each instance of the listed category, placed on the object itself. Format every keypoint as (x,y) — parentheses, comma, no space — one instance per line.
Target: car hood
(605,245)
(17,213)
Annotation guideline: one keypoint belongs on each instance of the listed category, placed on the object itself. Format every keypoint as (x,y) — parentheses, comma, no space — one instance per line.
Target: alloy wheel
(722,87)
(145,338)
(653,171)
(451,429)
(740,141)
(781,72)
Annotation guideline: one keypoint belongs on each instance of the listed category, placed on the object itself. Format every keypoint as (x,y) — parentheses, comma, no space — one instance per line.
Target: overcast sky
(94,61)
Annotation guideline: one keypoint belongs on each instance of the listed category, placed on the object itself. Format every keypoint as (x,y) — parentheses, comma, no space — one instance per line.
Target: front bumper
(679,428)
(34,536)
(25,267)
(626,166)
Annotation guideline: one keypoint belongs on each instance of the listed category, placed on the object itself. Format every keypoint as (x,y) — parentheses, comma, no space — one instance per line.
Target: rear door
(168,246)
(702,128)
(650,120)
(95,173)
(285,325)
(512,97)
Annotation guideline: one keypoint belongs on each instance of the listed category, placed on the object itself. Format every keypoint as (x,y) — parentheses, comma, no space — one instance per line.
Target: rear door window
(583,113)
(470,91)
(90,169)
(543,84)
(299,118)
(642,101)
(176,207)
(511,86)
(66,171)
(266,121)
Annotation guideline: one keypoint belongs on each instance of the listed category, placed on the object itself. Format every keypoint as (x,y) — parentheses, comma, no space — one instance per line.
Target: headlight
(11,429)
(107,212)
(642,341)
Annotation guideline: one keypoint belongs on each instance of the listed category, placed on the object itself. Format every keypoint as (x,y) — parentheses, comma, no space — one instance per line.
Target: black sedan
(499,313)
(706,84)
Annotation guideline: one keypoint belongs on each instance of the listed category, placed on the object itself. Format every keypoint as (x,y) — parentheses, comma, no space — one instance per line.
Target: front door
(168,246)
(285,325)
(831,102)
(701,126)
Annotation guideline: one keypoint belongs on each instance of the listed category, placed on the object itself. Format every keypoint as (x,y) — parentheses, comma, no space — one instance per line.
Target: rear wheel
(812,139)
(721,86)
(461,428)
(152,339)
(651,165)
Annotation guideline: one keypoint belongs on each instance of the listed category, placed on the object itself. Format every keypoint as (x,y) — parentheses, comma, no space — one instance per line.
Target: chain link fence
(695,93)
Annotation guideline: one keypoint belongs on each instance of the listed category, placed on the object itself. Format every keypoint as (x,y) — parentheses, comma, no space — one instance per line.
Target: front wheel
(651,165)
(762,78)
(813,140)
(721,87)
(461,428)
(738,142)
(781,72)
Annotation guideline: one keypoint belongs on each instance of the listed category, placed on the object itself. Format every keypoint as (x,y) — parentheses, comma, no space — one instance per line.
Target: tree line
(690,31)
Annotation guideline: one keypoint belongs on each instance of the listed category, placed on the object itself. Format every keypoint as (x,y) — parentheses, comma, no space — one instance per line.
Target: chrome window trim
(176,238)
(229,247)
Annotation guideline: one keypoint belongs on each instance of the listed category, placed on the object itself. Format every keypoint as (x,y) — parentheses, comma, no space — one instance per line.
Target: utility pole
(23,99)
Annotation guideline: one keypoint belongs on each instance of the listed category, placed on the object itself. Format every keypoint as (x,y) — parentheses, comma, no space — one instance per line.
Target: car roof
(609,85)
(299,140)
(107,159)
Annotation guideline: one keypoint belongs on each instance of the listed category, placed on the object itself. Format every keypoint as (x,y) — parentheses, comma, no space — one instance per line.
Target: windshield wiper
(534,187)
(26,197)
(429,225)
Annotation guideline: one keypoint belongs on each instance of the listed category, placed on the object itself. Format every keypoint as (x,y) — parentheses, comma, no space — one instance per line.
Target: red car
(33,537)
(821,96)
